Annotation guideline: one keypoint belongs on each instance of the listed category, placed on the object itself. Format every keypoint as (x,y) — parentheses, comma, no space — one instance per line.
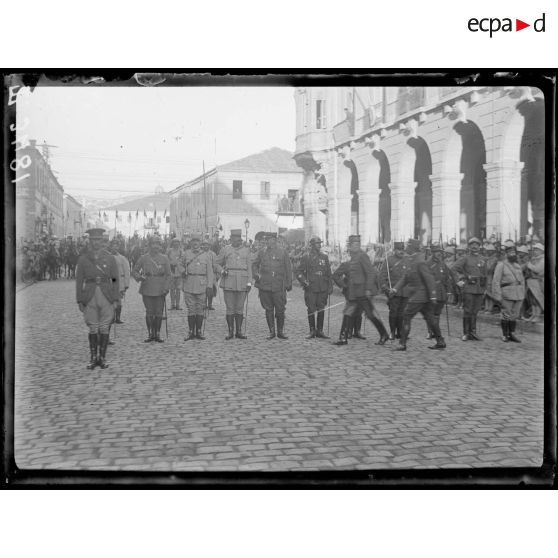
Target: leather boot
(270,323)
(239,318)
(320,329)
(118,312)
(230,324)
(440,343)
(405,330)
(157,329)
(110,341)
(149,323)
(466,329)
(104,337)
(177,298)
(473,330)
(312,324)
(392,327)
(512,336)
(173,299)
(199,327)
(379,325)
(344,333)
(357,324)
(191,328)
(93,344)
(281,326)
(505,330)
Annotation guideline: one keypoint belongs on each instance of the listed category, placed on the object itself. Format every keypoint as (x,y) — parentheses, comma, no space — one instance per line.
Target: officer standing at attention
(471,271)
(124,277)
(360,283)
(216,272)
(443,278)
(508,287)
(274,278)
(174,255)
(314,274)
(392,271)
(235,262)
(97,295)
(197,285)
(152,270)
(422,288)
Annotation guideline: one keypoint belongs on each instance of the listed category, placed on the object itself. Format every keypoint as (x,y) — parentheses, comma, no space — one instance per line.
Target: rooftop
(149,203)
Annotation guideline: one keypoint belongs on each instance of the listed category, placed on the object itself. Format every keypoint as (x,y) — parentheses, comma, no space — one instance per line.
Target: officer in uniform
(174,255)
(216,272)
(534,273)
(359,281)
(508,287)
(314,274)
(123,278)
(471,271)
(235,262)
(422,294)
(443,278)
(152,270)
(274,278)
(197,285)
(97,295)
(395,267)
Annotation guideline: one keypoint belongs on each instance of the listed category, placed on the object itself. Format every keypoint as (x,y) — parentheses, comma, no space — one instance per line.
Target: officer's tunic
(473,271)
(535,279)
(276,277)
(123,275)
(396,302)
(198,276)
(155,269)
(508,285)
(443,279)
(314,274)
(97,279)
(175,257)
(236,264)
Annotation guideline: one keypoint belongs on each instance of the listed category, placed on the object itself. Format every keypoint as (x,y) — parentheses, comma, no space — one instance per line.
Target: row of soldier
(413,283)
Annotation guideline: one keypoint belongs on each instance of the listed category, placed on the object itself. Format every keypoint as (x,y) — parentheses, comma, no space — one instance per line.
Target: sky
(123,141)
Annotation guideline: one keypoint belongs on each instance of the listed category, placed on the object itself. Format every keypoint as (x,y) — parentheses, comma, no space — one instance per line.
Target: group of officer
(413,284)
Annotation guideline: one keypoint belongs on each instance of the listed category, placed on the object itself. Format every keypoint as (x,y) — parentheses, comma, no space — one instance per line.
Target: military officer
(395,267)
(314,274)
(197,285)
(235,263)
(508,287)
(443,278)
(422,294)
(97,295)
(359,281)
(216,272)
(534,273)
(152,270)
(174,255)
(123,278)
(274,278)
(471,271)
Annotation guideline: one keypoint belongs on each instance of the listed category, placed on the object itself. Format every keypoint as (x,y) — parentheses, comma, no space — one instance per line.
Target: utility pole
(204,198)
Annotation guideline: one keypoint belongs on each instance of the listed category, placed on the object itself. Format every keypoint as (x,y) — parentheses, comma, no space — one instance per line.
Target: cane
(328,311)
(246,314)
(447,319)
(204,317)
(165,317)
(114,322)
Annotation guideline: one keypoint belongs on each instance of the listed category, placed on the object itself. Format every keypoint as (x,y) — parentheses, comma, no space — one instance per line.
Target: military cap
(354,238)
(490,247)
(474,239)
(415,242)
(450,250)
(236,232)
(175,240)
(195,236)
(538,246)
(270,235)
(435,247)
(154,238)
(522,249)
(399,246)
(461,248)
(315,240)
(509,244)
(95,233)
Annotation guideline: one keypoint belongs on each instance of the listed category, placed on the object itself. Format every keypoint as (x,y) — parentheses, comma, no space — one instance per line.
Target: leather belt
(98,280)
(197,274)
(509,284)
(237,269)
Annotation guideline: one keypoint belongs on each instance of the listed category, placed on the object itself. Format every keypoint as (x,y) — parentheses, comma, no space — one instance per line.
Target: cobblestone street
(259,405)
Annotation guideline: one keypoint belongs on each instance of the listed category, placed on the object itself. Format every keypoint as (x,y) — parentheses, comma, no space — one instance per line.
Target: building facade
(434,163)
(257,193)
(39,197)
(75,217)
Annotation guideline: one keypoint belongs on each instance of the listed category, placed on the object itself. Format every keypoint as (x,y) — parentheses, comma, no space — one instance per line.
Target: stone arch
(375,199)
(384,179)
(353,191)
(423,190)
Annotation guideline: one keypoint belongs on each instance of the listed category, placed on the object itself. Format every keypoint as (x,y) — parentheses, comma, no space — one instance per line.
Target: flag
(137,213)
(68,213)
(145,213)
(155,214)
(99,214)
(129,216)
(165,213)
(117,213)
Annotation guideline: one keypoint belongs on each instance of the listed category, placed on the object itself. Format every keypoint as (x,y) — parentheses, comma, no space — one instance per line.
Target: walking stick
(447,319)
(204,317)
(246,314)
(114,322)
(165,317)
(328,311)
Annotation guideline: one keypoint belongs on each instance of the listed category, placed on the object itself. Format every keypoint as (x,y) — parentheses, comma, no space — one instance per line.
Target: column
(446,188)
(402,210)
(503,198)
(369,215)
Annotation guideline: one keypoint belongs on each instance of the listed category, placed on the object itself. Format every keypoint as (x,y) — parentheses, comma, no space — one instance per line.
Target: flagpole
(204,199)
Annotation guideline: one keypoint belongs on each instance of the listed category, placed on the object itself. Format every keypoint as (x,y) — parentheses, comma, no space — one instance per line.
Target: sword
(204,317)
(246,314)
(165,317)
(328,310)
(114,321)
(447,319)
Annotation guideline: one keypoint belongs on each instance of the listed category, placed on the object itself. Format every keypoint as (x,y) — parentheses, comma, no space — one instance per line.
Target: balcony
(344,131)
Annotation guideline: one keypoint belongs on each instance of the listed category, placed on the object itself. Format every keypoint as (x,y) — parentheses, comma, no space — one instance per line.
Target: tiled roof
(270,160)
(156,201)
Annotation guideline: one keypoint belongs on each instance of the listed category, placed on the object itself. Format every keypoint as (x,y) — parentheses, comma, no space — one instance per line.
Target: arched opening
(473,186)
(423,190)
(384,209)
(532,154)
(350,164)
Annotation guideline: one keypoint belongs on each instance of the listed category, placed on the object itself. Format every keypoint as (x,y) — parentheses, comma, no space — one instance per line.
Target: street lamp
(247,226)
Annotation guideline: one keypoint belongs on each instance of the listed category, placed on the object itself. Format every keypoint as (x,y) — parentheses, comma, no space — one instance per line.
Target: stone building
(260,192)
(425,162)
(39,197)
(75,217)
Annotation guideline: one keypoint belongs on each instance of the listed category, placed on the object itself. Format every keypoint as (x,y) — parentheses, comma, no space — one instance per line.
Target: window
(294,202)
(320,115)
(168,219)
(265,190)
(237,189)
